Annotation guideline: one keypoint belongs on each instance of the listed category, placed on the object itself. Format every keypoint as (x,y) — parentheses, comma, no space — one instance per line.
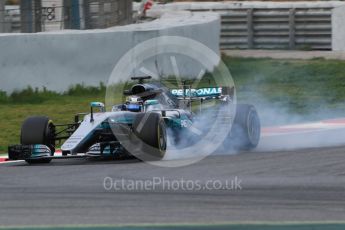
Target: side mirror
(99,105)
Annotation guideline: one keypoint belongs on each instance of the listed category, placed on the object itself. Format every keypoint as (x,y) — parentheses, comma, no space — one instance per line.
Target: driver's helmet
(134,104)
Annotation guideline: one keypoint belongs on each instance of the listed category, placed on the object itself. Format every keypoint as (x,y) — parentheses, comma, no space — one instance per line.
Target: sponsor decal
(203,92)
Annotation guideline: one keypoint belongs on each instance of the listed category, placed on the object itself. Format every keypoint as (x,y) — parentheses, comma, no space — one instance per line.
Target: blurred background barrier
(29,16)
(58,60)
(275,25)
(311,25)
(338,28)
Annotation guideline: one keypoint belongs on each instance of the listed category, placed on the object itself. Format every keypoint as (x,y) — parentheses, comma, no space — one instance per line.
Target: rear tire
(150,128)
(38,130)
(245,131)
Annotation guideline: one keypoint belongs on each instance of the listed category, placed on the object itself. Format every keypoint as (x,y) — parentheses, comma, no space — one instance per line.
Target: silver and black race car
(138,127)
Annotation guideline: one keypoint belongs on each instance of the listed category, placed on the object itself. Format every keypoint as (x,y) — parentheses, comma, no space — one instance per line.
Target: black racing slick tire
(38,130)
(246,128)
(151,130)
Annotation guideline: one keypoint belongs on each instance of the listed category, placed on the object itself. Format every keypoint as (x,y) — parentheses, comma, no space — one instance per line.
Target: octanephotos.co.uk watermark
(165,184)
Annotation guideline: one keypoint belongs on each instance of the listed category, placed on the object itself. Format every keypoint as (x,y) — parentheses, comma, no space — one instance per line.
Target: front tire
(151,130)
(38,130)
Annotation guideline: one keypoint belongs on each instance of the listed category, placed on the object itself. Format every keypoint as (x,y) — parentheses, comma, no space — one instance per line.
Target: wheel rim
(50,136)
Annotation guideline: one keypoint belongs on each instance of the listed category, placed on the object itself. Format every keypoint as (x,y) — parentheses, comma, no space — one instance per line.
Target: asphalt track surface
(303,185)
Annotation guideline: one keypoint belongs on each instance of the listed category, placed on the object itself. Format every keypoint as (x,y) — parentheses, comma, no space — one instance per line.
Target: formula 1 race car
(138,127)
